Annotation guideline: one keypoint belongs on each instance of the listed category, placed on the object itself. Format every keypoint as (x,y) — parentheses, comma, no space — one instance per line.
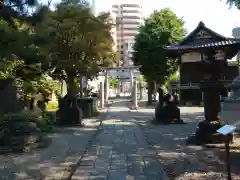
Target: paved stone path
(68,145)
(120,151)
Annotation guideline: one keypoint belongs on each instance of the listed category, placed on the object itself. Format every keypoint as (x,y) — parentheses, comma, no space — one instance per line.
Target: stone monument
(69,113)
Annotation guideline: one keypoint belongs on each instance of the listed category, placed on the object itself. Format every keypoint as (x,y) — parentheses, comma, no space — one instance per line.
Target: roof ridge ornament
(201,23)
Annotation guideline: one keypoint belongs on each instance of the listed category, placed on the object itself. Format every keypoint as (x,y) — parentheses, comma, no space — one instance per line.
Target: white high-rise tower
(128,19)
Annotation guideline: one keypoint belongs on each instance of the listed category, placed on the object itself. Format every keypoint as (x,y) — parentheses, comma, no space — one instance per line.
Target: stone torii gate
(118,72)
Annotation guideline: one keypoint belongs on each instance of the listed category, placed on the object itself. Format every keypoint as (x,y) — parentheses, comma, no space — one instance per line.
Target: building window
(130,28)
(131,22)
(131,11)
(130,34)
(131,17)
(131,5)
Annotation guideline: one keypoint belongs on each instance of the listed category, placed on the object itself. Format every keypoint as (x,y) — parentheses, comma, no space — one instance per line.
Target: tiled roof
(204,45)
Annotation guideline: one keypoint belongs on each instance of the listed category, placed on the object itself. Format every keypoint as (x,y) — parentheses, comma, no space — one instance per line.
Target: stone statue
(167,111)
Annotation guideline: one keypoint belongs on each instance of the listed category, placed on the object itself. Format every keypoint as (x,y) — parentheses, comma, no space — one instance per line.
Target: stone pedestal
(207,130)
(69,112)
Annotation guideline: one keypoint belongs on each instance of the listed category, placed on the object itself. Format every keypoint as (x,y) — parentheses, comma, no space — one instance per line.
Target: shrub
(26,115)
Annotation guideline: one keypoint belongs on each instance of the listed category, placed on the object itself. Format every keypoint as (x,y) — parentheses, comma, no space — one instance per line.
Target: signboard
(227,129)
(191,57)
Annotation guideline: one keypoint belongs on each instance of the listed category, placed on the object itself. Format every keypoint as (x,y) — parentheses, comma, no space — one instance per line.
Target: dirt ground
(182,161)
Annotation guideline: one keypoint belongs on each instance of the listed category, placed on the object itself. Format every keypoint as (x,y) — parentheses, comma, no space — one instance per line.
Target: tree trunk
(81,86)
(71,89)
(160,96)
(150,92)
(212,106)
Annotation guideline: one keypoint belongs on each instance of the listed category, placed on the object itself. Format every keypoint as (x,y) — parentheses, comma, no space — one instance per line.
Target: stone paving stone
(122,151)
(141,177)
(135,168)
(117,174)
(134,157)
(82,173)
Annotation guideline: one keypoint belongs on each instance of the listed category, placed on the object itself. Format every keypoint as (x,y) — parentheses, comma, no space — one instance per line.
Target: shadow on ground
(124,151)
(68,144)
(181,161)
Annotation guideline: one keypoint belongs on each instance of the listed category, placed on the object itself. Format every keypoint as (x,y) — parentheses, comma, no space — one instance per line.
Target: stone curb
(69,171)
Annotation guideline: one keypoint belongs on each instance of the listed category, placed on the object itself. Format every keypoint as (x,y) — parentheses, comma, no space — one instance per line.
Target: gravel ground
(182,162)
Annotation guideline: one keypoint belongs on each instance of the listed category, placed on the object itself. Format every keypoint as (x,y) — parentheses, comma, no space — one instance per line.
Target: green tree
(25,10)
(234,3)
(77,42)
(141,80)
(20,58)
(173,77)
(113,82)
(161,29)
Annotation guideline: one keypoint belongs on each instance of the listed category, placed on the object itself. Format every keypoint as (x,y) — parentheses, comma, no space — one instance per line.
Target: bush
(26,115)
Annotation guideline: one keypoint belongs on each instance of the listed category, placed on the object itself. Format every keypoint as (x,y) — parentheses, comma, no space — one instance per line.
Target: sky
(214,13)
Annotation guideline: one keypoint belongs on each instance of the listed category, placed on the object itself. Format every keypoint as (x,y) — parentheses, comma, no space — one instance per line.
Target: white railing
(190,84)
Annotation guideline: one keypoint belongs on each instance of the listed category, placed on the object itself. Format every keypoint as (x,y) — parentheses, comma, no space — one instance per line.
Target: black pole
(228,160)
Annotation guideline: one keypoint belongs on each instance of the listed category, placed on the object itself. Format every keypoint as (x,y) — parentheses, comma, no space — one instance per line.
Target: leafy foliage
(24,116)
(141,80)
(234,3)
(18,43)
(113,82)
(173,77)
(161,29)
(30,11)
(78,43)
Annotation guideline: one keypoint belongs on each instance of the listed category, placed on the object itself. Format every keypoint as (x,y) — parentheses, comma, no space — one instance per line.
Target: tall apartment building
(128,19)
(113,30)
